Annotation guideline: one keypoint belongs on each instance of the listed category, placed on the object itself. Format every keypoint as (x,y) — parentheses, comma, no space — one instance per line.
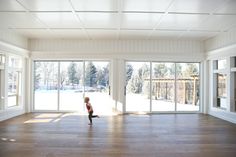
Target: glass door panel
(71,86)
(46,85)
(96,87)
(137,86)
(188,86)
(163,87)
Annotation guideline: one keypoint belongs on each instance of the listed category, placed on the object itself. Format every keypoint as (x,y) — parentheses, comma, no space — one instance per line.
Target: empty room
(117,78)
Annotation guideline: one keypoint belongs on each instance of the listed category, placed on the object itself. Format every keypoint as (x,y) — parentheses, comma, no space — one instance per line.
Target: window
(171,87)
(137,86)
(233,84)
(14,81)
(220,82)
(61,85)
(221,85)
(2,60)
(188,86)
(221,64)
(163,87)
(221,91)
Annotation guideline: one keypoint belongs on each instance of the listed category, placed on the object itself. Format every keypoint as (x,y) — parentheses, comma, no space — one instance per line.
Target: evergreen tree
(72,74)
(160,70)
(90,75)
(129,72)
(103,76)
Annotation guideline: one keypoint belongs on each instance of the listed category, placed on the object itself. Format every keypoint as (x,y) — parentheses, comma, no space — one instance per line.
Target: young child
(90,110)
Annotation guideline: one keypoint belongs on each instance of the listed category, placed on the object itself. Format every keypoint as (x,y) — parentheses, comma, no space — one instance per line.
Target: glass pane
(221,85)
(188,86)
(71,86)
(221,91)
(2,59)
(45,85)
(163,87)
(13,88)
(97,86)
(221,64)
(138,86)
(14,62)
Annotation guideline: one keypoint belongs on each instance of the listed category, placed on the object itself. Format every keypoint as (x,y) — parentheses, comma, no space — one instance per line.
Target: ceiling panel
(195,6)
(102,34)
(181,21)
(146,5)
(70,33)
(113,19)
(99,20)
(134,34)
(95,5)
(10,5)
(46,5)
(228,8)
(217,22)
(20,20)
(139,20)
(59,20)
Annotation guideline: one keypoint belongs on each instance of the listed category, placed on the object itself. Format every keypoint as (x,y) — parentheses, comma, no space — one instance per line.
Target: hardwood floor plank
(164,135)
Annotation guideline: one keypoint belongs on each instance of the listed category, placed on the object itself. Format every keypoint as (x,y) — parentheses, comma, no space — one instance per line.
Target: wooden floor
(164,135)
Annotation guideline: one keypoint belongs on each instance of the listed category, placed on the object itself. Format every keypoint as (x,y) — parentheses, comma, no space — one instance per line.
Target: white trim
(233,69)
(12,49)
(167,57)
(219,113)
(10,113)
(222,52)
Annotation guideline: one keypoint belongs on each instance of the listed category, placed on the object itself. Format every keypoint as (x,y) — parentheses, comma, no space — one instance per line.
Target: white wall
(8,42)
(11,38)
(221,47)
(118,51)
(127,49)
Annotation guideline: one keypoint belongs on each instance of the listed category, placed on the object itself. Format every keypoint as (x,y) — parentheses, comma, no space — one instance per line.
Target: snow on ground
(70,100)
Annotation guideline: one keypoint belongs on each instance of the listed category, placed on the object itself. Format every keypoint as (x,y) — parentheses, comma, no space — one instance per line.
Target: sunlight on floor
(8,139)
(48,115)
(38,121)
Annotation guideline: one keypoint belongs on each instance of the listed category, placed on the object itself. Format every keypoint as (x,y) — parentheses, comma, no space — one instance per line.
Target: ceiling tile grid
(118,19)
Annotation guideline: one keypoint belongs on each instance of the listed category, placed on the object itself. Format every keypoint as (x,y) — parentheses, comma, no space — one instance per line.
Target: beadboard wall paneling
(13,39)
(221,41)
(127,49)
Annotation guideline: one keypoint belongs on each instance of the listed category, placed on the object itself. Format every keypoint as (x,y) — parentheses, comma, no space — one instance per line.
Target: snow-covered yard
(72,100)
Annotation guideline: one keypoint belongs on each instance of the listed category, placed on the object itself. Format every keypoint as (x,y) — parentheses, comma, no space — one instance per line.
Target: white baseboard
(4,115)
(228,116)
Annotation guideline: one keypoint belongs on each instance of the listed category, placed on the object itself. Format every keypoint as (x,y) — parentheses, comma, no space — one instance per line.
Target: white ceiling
(118,19)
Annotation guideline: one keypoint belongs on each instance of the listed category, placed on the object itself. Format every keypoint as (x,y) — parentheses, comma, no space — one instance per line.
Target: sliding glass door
(96,83)
(137,87)
(188,86)
(174,87)
(46,85)
(71,86)
(163,87)
(62,85)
